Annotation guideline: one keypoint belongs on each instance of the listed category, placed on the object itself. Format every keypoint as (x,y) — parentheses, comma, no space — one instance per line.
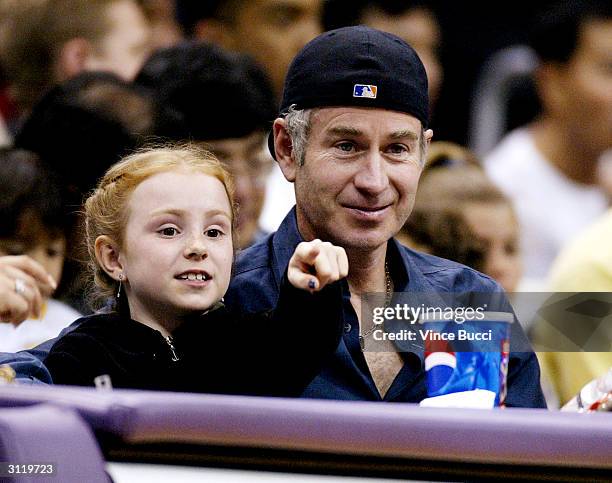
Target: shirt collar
(407,275)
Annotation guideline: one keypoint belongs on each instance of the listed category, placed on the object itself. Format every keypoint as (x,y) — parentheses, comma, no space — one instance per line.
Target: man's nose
(372,175)
(196,247)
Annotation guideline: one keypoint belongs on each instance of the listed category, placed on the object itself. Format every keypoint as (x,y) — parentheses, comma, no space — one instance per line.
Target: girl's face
(496,227)
(177,252)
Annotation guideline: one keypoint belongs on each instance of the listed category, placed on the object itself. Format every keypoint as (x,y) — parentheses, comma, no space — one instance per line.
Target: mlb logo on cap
(365,90)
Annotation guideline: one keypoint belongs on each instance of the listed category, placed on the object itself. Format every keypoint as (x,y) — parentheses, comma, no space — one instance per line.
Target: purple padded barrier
(45,434)
(511,436)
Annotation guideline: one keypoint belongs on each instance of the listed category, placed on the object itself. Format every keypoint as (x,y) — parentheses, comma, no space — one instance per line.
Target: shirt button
(347,327)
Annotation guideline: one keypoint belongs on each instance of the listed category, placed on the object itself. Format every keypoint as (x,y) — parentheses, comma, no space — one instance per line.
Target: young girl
(159,231)
(33,224)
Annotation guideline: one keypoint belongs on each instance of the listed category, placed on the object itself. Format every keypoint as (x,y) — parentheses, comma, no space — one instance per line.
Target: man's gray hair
(298,127)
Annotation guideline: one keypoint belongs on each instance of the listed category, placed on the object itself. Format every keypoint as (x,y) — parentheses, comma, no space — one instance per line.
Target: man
(202,88)
(352,137)
(47,42)
(355,156)
(550,168)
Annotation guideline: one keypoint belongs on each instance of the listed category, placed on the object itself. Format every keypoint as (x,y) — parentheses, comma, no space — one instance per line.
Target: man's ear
(428,135)
(107,254)
(284,149)
(72,58)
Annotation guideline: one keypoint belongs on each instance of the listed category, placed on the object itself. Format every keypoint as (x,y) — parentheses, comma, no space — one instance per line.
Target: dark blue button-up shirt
(254,288)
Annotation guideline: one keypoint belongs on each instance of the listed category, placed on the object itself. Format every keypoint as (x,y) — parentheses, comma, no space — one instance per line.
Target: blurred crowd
(83,82)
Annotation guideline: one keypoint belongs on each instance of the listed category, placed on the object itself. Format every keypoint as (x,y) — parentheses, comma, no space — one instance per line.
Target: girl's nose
(196,248)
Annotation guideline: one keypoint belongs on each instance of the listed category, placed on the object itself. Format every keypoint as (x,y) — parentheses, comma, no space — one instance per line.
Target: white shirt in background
(56,316)
(280,198)
(552,209)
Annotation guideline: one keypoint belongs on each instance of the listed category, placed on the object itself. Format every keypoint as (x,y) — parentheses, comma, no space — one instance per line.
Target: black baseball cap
(356,66)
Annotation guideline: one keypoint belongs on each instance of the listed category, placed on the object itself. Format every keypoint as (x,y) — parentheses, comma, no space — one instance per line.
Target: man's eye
(214,233)
(398,149)
(168,231)
(347,147)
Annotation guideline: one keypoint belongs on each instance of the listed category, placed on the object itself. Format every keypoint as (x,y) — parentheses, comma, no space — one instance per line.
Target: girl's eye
(214,233)
(169,231)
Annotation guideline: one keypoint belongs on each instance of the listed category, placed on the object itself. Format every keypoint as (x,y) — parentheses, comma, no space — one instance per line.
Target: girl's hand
(314,264)
(23,285)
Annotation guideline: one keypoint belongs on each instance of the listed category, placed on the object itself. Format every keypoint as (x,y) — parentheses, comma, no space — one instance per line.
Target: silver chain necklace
(388,297)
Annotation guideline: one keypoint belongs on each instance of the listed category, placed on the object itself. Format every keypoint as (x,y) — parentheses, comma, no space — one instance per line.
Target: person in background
(24,284)
(195,78)
(549,169)
(584,265)
(461,215)
(33,224)
(46,42)
(271,31)
(79,129)
(165,29)
(84,125)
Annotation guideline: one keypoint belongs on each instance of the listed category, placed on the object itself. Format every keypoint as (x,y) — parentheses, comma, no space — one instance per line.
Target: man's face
(274,31)
(585,105)
(127,44)
(249,164)
(358,182)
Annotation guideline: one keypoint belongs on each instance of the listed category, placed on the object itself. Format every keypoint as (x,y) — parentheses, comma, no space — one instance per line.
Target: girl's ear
(107,254)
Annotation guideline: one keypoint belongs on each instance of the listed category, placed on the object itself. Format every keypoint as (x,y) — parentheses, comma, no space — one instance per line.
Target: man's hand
(314,264)
(23,285)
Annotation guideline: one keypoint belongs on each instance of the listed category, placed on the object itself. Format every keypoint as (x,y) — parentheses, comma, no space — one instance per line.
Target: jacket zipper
(169,341)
